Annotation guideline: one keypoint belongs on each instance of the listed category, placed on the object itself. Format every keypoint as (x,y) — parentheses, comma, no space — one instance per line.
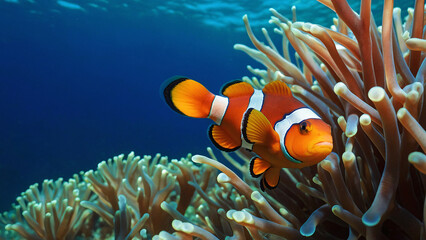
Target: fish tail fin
(187,97)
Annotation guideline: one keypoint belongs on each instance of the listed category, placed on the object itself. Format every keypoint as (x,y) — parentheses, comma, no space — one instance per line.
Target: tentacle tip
(223,178)
(257,197)
(340,88)
(307,230)
(197,158)
(418,159)
(370,220)
(401,113)
(336,209)
(348,157)
(397,10)
(315,29)
(188,228)
(365,119)
(237,46)
(229,213)
(326,164)
(351,133)
(283,211)
(285,26)
(406,35)
(417,86)
(376,94)
(242,216)
(177,224)
(296,89)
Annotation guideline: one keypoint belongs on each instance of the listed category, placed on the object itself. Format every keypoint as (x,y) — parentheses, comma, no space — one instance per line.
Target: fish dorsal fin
(271,178)
(220,138)
(237,88)
(257,128)
(277,88)
(258,166)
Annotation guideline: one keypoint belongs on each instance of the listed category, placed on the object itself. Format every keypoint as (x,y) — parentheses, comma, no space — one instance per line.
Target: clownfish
(279,129)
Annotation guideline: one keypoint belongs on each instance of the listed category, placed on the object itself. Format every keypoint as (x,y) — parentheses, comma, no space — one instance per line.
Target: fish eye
(305,127)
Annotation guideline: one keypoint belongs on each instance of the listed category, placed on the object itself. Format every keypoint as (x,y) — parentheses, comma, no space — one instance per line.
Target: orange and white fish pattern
(278,128)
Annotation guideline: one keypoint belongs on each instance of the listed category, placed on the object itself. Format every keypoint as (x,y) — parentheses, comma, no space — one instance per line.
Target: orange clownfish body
(279,129)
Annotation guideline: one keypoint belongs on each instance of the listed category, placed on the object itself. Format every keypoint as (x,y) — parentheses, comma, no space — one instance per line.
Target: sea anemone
(356,73)
(52,212)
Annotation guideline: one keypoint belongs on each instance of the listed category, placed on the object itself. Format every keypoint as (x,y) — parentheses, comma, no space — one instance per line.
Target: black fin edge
(262,185)
(266,182)
(245,121)
(210,133)
(166,89)
(228,84)
(251,168)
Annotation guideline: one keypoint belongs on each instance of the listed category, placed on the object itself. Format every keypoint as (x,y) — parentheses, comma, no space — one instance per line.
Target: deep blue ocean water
(80,83)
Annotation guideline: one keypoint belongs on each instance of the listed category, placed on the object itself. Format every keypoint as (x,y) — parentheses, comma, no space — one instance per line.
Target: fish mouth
(323,147)
(324,144)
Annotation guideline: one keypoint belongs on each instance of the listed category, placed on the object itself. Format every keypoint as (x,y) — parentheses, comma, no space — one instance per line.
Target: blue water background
(78,86)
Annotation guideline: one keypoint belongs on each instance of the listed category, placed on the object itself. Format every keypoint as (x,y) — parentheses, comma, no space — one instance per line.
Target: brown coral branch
(347,76)
(400,64)
(332,167)
(310,191)
(398,29)
(384,199)
(319,215)
(345,12)
(352,175)
(417,32)
(365,39)
(407,222)
(388,58)
(354,221)
(308,60)
(239,184)
(372,133)
(413,127)
(342,90)
(282,64)
(267,210)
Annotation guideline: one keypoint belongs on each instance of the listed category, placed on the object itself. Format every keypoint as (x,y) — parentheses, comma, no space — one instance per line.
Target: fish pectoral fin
(258,166)
(237,88)
(270,178)
(221,139)
(277,88)
(256,128)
